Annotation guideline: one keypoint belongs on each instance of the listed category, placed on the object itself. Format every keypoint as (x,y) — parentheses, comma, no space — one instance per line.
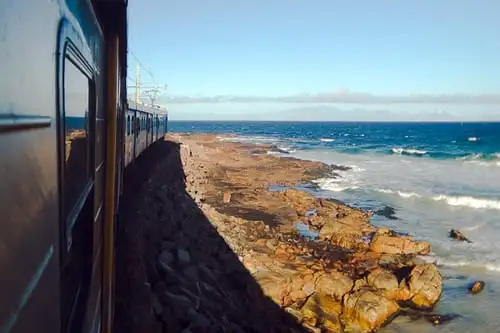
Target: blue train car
(63,149)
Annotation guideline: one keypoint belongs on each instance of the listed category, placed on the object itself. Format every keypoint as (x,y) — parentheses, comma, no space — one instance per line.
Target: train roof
(147,107)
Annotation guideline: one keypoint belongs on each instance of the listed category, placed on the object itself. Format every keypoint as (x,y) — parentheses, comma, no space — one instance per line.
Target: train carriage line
(64,149)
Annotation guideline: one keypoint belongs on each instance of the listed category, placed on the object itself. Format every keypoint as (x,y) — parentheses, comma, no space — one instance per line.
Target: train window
(128,125)
(77,105)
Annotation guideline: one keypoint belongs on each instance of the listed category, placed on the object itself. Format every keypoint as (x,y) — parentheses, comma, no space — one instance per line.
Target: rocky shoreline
(353,277)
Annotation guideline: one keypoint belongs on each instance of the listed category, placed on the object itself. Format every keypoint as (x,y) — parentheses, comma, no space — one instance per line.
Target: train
(67,134)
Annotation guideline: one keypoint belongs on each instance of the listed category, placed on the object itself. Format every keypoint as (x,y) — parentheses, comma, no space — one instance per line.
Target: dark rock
(433,318)
(476,287)
(165,258)
(179,304)
(437,319)
(387,212)
(183,256)
(456,234)
(190,272)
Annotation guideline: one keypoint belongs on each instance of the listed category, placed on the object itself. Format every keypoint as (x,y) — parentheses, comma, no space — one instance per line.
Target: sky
(259,59)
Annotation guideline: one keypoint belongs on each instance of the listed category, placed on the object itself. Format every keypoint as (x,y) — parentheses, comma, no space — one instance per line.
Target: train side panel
(29,255)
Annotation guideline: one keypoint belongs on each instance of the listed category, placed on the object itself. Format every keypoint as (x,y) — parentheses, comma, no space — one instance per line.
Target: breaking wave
(408,151)
(463,201)
(466,201)
(333,184)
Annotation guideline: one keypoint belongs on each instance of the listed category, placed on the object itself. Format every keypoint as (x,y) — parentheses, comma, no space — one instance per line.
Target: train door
(129,137)
(157,127)
(136,133)
(151,129)
(165,121)
(148,130)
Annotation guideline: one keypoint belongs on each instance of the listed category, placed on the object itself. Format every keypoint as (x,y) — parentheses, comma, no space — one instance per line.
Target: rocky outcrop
(355,277)
(398,245)
(367,310)
(334,284)
(425,284)
(322,310)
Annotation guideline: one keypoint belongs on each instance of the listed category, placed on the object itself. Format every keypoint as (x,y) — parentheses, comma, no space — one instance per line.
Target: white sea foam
(467,201)
(400,193)
(463,263)
(326,140)
(472,139)
(408,151)
(464,201)
(334,184)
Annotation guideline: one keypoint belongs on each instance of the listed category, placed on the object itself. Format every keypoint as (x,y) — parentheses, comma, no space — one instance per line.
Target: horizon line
(339,121)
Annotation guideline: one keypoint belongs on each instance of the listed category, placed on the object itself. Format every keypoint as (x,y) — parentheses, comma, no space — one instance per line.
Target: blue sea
(436,176)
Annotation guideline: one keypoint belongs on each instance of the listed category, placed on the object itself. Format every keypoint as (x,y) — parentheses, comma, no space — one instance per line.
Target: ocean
(436,176)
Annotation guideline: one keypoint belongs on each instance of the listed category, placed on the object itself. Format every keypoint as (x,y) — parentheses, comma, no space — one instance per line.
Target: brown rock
(296,313)
(367,310)
(321,309)
(227,197)
(261,242)
(334,284)
(398,245)
(477,287)
(308,288)
(383,279)
(345,233)
(276,284)
(360,284)
(425,285)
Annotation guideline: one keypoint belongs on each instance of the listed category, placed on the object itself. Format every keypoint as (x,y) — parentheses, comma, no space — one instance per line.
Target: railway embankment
(212,240)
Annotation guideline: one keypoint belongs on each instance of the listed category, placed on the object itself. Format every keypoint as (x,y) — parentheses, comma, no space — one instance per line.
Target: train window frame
(71,53)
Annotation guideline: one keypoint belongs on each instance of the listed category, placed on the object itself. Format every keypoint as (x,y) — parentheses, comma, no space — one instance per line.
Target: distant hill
(330,113)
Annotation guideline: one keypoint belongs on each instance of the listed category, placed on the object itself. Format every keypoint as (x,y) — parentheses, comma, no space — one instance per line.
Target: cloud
(343,96)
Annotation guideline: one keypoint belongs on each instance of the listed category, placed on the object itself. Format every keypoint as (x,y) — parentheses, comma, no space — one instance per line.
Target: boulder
(342,232)
(387,282)
(334,284)
(456,234)
(367,310)
(476,287)
(387,212)
(382,279)
(321,309)
(425,284)
(281,285)
(398,245)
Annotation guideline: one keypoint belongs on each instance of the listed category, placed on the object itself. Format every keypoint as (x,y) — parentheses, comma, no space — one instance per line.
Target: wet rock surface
(213,264)
(387,212)
(476,287)
(458,235)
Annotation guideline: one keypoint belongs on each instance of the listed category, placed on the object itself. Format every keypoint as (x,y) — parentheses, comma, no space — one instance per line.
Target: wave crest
(333,184)
(408,151)
(466,201)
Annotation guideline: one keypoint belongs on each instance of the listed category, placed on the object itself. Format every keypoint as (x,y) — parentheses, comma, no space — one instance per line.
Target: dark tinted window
(77,147)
